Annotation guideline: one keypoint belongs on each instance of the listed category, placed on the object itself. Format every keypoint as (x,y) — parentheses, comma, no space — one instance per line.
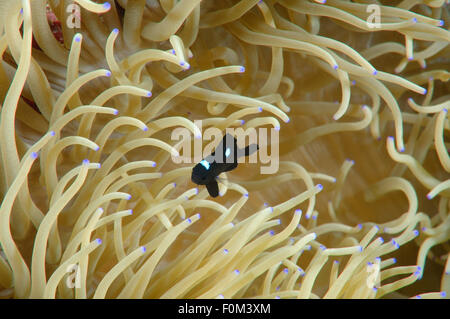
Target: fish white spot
(205,164)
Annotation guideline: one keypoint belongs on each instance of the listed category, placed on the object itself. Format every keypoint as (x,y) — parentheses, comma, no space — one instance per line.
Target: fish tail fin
(250,149)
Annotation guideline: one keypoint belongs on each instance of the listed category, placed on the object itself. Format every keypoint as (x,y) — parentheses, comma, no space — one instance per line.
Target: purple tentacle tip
(236,271)
(441,23)
(107,5)
(108,73)
(52,133)
(260,109)
(287,120)
(414,20)
(189,220)
(335,67)
(115,30)
(145,128)
(143,249)
(85,162)
(246,195)
(242,69)
(443,294)
(277,128)
(424,91)
(99,241)
(271,232)
(319,187)
(416,232)
(34,155)
(77,38)
(225,251)
(149,94)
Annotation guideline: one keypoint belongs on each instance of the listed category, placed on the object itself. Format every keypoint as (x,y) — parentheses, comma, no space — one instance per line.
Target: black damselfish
(223,159)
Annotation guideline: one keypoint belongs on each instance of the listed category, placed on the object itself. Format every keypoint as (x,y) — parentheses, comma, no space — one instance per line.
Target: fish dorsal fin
(226,150)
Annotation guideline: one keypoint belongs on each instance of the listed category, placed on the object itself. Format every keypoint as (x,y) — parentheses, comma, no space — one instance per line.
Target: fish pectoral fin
(213,189)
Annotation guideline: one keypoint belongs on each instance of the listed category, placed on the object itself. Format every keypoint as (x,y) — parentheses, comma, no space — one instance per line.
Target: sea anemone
(94,204)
